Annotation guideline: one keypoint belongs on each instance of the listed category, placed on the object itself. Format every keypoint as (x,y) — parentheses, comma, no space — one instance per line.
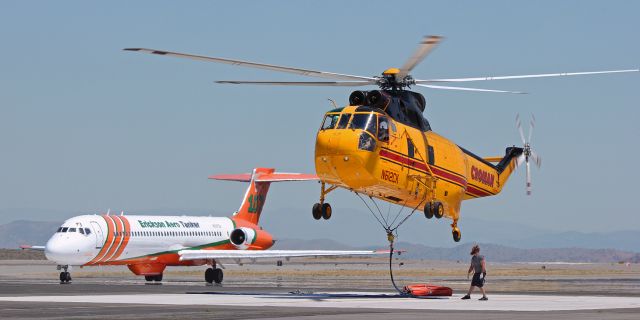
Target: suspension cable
(373,213)
(390,229)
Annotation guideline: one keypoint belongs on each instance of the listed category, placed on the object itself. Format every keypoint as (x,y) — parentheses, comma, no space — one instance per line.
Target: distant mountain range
(20,232)
(533,245)
(498,253)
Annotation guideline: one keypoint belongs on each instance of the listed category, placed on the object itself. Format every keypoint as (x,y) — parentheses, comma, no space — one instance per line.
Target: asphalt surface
(29,290)
(189,291)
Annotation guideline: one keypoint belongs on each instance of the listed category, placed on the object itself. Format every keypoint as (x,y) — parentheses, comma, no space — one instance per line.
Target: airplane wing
(28,247)
(270,254)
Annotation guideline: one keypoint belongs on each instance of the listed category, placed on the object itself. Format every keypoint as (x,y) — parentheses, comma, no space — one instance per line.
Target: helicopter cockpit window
(344,120)
(383,129)
(364,121)
(330,121)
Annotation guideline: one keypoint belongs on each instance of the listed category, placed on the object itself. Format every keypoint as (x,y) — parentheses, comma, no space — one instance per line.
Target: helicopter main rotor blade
(544,75)
(303,83)
(427,45)
(304,72)
(467,89)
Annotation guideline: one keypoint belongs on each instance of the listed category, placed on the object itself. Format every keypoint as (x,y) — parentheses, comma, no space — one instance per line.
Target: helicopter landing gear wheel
(456,234)
(428,211)
(455,231)
(438,209)
(317,211)
(326,211)
(322,210)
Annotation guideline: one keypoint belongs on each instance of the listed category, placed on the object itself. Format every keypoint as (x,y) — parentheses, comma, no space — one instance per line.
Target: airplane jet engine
(247,238)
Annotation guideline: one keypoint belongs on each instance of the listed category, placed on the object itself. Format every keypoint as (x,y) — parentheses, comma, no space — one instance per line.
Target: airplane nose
(58,250)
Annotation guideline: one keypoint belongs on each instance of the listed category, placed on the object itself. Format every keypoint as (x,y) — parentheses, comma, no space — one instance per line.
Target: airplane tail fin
(259,181)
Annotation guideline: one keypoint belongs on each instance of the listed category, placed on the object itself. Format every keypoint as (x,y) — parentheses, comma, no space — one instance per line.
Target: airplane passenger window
(344,120)
(72,230)
(330,121)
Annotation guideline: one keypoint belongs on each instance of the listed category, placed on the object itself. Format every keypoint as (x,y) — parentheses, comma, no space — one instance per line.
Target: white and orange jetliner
(148,244)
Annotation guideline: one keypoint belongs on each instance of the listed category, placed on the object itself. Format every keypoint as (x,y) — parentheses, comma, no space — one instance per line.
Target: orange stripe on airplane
(107,242)
(127,236)
(118,239)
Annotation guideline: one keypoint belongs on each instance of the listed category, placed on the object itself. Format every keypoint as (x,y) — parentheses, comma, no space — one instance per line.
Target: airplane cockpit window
(64,229)
(87,231)
(81,230)
(59,229)
(330,121)
(72,230)
(364,121)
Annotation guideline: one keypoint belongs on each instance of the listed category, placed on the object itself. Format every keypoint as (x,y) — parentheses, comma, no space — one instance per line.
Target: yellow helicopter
(381,146)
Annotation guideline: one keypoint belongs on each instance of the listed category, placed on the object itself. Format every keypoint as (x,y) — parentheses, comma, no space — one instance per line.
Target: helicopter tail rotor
(528,154)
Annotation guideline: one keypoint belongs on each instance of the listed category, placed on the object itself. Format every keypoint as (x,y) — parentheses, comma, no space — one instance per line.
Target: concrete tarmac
(28,290)
(125,300)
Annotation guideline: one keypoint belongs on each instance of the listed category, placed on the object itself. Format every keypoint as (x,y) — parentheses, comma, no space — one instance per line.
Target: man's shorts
(477,281)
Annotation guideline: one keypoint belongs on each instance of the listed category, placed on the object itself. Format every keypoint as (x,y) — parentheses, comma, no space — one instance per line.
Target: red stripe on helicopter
(423,167)
(477,192)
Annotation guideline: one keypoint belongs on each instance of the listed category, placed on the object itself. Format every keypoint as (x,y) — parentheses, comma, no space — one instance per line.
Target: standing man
(479,273)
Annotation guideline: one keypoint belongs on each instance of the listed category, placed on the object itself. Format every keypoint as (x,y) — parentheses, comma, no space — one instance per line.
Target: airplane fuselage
(140,240)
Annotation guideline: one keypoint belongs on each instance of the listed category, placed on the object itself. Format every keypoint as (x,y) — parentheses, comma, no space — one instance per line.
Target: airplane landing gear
(212,275)
(65,276)
(323,209)
(156,278)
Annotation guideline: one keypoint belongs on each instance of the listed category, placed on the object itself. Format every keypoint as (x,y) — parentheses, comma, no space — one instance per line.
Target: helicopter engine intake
(358,98)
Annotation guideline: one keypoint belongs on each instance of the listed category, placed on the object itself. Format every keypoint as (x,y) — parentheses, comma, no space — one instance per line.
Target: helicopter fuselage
(387,150)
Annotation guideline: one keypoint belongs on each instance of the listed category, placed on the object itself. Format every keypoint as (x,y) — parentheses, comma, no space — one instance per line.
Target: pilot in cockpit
(383,130)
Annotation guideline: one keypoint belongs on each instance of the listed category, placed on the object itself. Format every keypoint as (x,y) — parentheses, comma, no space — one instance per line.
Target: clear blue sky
(85,126)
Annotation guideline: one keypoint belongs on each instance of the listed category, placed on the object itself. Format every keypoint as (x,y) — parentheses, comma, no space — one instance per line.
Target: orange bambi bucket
(429,290)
